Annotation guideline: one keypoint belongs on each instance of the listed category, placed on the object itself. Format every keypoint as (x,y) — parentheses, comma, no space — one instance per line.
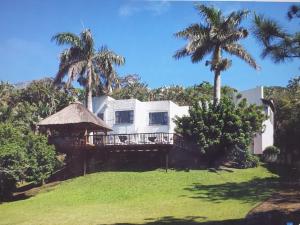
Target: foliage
(287,119)
(25,106)
(83,63)
(47,97)
(217,129)
(13,163)
(243,158)
(23,157)
(270,154)
(133,87)
(215,195)
(41,158)
(216,34)
(277,43)
(271,150)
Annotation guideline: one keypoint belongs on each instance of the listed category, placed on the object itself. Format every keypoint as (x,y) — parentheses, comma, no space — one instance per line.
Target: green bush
(271,153)
(13,165)
(271,150)
(41,157)
(243,158)
(216,129)
(23,157)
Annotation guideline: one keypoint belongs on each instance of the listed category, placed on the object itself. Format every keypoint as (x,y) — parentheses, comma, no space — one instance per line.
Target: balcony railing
(118,140)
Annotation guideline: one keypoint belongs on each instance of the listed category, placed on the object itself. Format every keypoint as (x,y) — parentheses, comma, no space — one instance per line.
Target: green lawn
(153,197)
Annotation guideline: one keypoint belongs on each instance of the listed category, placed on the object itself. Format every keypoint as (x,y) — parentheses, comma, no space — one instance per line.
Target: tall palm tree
(82,62)
(215,35)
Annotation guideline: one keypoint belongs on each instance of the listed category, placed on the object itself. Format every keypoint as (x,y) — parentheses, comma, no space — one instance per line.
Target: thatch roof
(75,116)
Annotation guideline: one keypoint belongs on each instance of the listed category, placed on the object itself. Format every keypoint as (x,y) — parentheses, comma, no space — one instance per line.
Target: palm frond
(294,12)
(239,51)
(235,18)
(105,54)
(67,38)
(211,15)
(232,36)
(266,30)
(87,42)
(193,30)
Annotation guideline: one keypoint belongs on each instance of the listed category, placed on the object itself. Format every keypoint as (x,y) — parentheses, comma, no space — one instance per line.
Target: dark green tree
(217,130)
(287,119)
(41,158)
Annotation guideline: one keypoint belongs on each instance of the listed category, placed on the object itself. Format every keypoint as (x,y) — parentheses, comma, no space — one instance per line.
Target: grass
(153,197)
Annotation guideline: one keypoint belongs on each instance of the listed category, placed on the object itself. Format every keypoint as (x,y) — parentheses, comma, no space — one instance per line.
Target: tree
(277,43)
(131,86)
(82,62)
(287,119)
(214,36)
(23,156)
(41,158)
(223,129)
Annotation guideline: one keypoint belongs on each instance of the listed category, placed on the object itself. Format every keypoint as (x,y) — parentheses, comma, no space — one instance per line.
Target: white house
(131,116)
(265,139)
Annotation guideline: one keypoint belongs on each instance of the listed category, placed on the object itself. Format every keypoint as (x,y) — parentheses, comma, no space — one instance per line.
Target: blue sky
(142,31)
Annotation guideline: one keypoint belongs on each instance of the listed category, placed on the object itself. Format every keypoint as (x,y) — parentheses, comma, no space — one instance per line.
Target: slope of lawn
(153,197)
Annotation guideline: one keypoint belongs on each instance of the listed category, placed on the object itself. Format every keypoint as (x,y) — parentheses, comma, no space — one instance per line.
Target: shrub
(13,164)
(41,157)
(243,158)
(271,150)
(216,129)
(23,157)
(271,153)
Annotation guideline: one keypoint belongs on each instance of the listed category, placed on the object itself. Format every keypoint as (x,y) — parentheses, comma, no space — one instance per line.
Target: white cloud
(153,7)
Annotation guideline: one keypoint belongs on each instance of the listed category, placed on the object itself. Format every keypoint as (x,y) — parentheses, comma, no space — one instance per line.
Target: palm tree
(214,36)
(276,42)
(82,62)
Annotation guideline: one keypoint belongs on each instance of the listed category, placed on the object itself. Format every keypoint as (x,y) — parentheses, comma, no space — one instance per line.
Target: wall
(108,106)
(265,139)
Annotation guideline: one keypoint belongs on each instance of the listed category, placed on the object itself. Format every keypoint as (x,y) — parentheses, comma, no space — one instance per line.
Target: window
(100,115)
(158,118)
(124,116)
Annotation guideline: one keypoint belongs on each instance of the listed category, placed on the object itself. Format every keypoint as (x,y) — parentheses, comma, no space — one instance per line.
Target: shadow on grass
(189,220)
(266,219)
(255,190)
(286,173)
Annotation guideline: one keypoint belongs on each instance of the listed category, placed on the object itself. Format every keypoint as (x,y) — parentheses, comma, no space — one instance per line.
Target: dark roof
(75,115)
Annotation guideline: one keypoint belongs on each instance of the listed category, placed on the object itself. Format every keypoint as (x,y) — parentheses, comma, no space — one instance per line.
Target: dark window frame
(127,118)
(162,119)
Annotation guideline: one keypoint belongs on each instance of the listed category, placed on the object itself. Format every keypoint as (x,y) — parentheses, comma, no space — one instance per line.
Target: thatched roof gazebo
(74,118)
(75,126)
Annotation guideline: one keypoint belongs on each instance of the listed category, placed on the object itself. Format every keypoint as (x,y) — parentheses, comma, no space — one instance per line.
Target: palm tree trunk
(89,98)
(217,87)
(217,80)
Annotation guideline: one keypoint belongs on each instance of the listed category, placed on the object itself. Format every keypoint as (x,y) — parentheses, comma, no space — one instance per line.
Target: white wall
(265,139)
(108,106)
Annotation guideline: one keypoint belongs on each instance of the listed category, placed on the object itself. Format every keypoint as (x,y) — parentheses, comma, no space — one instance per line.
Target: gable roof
(75,115)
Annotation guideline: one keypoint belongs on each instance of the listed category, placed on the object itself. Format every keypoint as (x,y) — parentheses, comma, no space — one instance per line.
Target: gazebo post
(167,161)
(84,152)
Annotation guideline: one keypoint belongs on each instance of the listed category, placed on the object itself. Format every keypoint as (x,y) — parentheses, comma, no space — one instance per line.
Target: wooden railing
(119,139)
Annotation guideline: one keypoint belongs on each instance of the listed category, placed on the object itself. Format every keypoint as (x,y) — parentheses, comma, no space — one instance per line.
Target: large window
(124,116)
(158,118)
